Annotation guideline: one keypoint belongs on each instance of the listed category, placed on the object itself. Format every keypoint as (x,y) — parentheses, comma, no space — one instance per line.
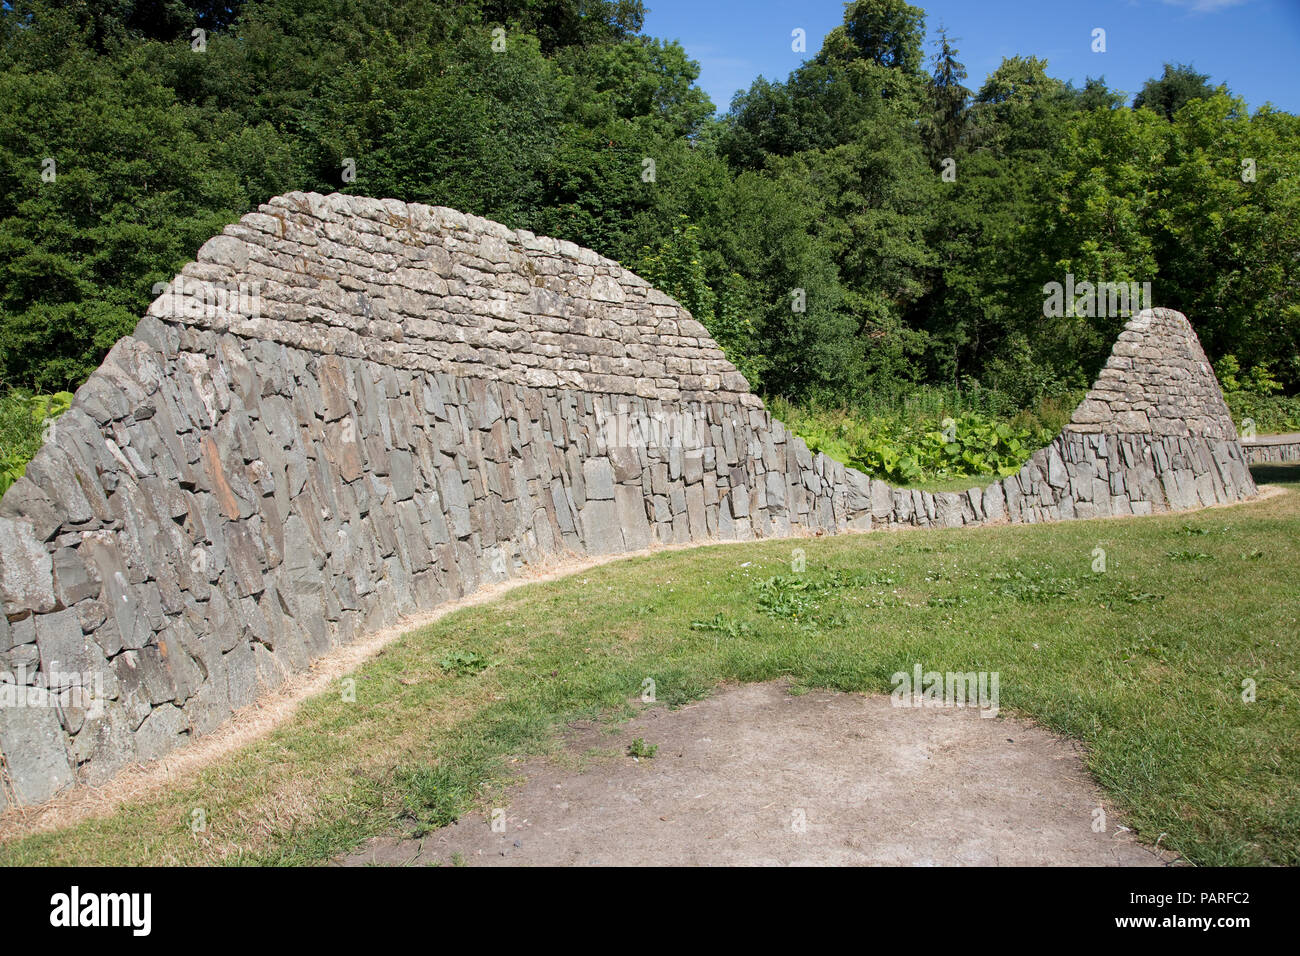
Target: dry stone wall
(351,410)
(1272,449)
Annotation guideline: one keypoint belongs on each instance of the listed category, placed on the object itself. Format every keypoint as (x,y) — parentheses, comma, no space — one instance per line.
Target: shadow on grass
(1276,474)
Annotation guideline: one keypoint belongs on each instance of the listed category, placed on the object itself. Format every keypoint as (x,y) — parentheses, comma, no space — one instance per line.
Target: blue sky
(1251,45)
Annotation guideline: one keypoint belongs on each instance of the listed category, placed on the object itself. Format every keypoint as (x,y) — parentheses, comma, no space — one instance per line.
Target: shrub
(1251,397)
(899,451)
(24,418)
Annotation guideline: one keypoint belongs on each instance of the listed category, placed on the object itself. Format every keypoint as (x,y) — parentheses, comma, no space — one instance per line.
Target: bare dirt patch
(735,775)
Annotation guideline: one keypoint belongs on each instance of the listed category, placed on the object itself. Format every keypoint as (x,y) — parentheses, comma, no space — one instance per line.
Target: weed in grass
(786,598)
(881,579)
(1034,586)
(796,599)
(463,663)
(1142,597)
(677,689)
(723,626)
(435,797)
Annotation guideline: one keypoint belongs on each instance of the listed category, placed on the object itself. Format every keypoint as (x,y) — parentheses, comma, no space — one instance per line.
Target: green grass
(1143,663)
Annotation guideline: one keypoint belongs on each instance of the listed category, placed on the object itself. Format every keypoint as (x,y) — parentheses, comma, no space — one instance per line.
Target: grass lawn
(1145,663)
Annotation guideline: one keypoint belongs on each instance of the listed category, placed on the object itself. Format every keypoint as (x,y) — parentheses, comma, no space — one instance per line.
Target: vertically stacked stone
(349,410)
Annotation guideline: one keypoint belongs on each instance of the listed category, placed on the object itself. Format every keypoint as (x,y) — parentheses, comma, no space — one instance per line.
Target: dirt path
(735,775)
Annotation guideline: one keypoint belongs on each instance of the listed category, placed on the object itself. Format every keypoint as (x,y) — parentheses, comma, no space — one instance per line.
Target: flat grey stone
(33,744)
(162,731)
(602,530)
(598,476)
(26,570)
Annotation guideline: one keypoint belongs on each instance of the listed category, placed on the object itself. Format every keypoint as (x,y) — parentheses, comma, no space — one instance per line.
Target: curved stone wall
(348,410)
(1272,449)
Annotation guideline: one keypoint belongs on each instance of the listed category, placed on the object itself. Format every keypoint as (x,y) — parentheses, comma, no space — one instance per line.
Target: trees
(1228,236)
(793,288)
(839,144)
(887,33)
(107,186)
(157,145)
(678,267)
(945,126)
(912,221)
(1098,228)
(565,23)
(1096,95)
(1175,88)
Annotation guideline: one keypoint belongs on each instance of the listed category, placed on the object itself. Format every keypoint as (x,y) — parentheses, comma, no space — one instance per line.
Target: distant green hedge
(1271,414)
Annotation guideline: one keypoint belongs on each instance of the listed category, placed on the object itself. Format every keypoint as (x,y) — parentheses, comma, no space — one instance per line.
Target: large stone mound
(349,410)
(1157,381)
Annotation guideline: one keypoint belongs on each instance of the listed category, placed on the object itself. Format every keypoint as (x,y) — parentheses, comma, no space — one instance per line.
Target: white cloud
(1205,6)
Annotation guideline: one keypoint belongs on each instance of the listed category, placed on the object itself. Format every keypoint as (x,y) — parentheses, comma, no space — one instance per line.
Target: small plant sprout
(638,748)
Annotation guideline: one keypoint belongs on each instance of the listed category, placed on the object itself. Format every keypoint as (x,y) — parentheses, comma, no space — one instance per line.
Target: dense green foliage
(920,450)
(24,421)
(952,448)
(867,226)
